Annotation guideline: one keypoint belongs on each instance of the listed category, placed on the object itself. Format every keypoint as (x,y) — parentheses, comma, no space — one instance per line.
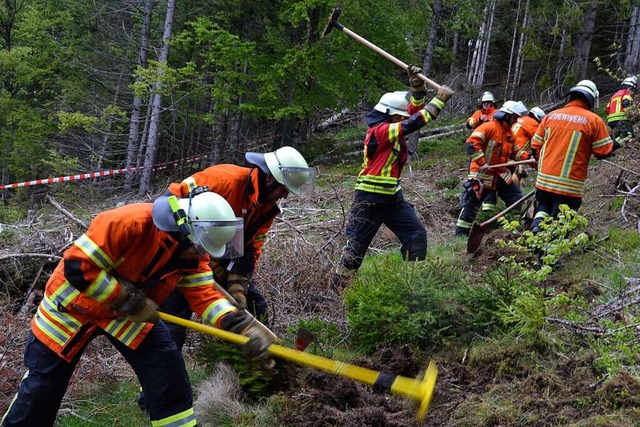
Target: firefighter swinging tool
(478,230)
(420,389)
(333,22)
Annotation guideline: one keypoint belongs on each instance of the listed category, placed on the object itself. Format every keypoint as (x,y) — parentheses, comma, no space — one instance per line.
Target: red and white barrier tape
(94,174)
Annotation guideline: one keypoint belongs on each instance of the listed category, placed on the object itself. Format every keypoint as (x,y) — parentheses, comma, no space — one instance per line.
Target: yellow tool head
(427,388)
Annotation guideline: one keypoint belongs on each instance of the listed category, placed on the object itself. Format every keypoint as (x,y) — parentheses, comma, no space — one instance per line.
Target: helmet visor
(220,239)
(299,180)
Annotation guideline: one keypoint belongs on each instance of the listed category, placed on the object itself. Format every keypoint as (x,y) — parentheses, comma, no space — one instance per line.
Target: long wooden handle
(388,56)
(516,203)
(519,162)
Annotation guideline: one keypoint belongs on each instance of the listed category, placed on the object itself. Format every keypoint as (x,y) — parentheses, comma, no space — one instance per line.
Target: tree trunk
(520,56)
(431,39)
(632,63)
(508,89)
(481,49)
(583,41)
(156,103)
(134,124)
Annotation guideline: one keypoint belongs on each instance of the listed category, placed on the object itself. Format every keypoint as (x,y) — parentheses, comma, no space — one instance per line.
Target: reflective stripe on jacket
(491,143)
(121,243)
(564,143)
(240,187)
(618,103)
(385,150)
(523,130)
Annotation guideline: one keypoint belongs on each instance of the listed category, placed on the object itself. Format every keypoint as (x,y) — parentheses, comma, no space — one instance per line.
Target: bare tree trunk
(481,49)
(561,58)
(583,41)
(520,56)
(134,124)
(143,137)
(632,63)
(454,49)
(433,33)
(154,125)
(507,90)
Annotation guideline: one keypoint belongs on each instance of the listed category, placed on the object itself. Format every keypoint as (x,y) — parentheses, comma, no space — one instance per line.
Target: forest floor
(497,382)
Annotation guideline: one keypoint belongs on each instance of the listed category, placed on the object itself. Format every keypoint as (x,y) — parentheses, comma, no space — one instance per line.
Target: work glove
(416,83)
(134,304)
(434,106)
(473,188)
(237,286)
(444,93)
(240,322)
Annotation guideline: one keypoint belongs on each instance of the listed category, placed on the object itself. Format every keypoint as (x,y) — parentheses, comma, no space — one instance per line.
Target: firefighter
(563,145)
(378,196)
(486,108)
(253,193)
(617,107)
(524,129)
(110,282)
(490,143)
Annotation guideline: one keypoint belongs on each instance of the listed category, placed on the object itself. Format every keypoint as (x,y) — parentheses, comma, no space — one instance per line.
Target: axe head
(332,21)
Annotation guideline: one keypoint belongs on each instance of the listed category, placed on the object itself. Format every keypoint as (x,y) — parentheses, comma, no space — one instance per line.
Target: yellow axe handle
(420,389)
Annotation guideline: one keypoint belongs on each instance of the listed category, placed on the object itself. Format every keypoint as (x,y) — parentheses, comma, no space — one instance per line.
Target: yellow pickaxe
(420,389)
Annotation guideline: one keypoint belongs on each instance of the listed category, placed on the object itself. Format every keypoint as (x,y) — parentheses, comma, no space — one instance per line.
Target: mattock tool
(333,22)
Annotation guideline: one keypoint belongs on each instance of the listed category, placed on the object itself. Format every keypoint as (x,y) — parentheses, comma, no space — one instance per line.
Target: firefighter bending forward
(110,282)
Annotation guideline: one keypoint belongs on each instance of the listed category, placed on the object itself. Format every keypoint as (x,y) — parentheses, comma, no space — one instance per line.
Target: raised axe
(333,22)
(420,389)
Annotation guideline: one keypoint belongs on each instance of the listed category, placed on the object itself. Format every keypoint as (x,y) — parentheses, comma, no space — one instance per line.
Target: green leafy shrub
(402,303)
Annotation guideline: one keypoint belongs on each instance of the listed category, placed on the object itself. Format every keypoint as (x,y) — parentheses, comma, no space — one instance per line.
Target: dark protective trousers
(509,193)
(157,363)
(177,305)
(365,220)
(549,206)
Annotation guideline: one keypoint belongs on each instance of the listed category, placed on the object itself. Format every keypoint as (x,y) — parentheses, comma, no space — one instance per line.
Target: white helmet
(588,89)
(393,103)
(206,218)
(537,113)
(287,166)
(487,97)
(510,107)
(631,81)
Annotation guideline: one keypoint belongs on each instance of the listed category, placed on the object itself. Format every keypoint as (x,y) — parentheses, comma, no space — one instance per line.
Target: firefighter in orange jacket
(563,145)
(617,107)
(253,193)
(110,282)
(378,197)
(487,107)
(491,143)
(523,130)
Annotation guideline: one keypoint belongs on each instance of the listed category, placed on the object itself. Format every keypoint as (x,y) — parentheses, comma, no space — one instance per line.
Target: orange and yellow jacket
(492,143)
(120,243)
(240,187)
(523,130)
(475,120)
(385,153)
(564,143)
(617,105)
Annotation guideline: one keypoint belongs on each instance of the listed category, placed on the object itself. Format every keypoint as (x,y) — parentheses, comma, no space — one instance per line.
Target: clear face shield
(220,239)
(299,181)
